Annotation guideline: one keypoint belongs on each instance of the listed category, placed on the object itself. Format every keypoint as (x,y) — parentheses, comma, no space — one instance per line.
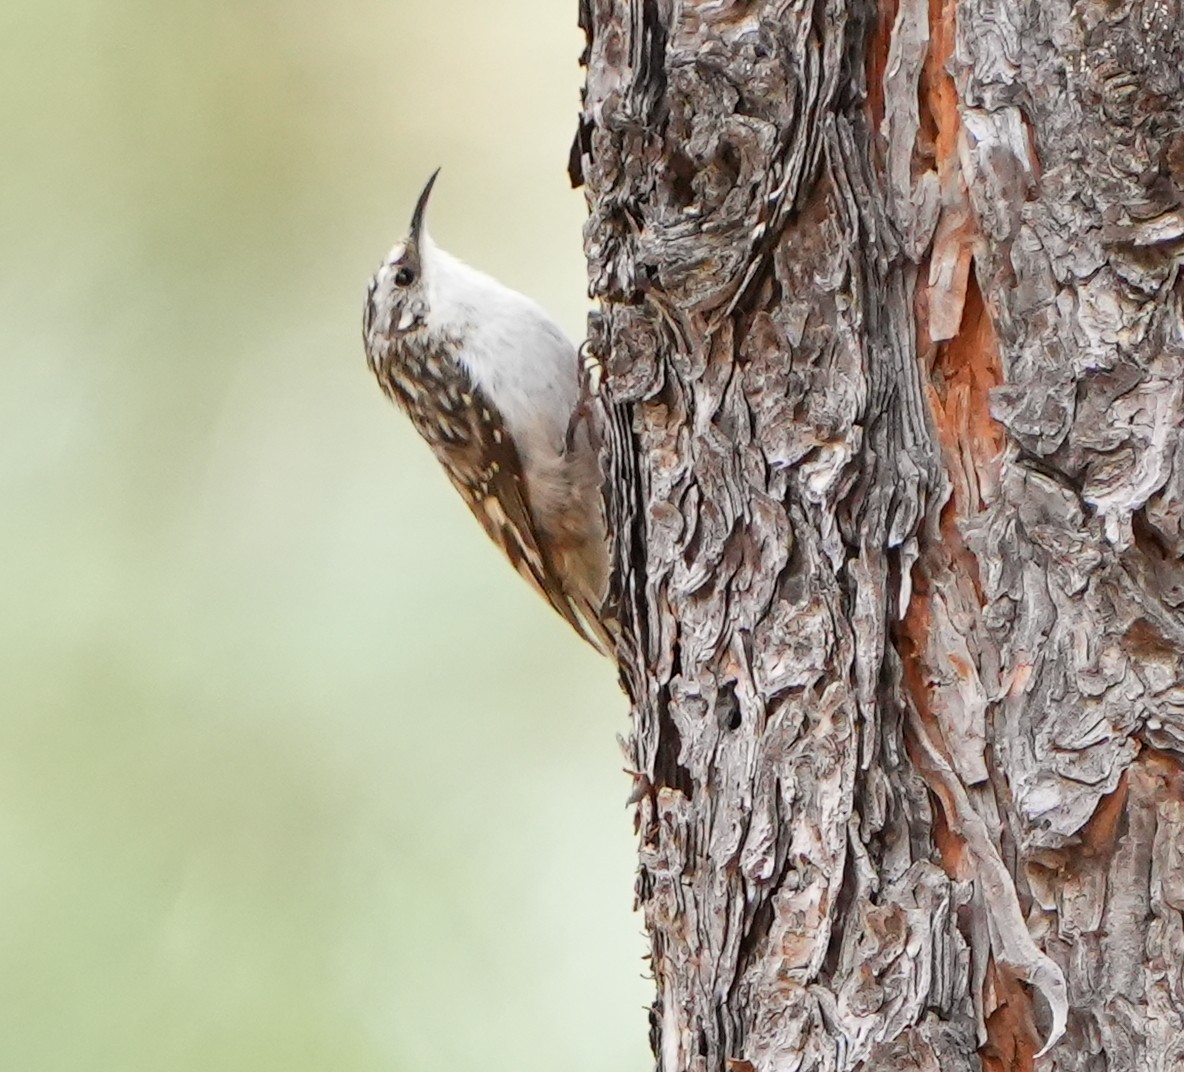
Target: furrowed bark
(894,353)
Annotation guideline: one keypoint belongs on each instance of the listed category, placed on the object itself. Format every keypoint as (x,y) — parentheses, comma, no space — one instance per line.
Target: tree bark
(891,319)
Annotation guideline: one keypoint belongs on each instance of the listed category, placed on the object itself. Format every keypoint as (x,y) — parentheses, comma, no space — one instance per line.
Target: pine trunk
(894,362)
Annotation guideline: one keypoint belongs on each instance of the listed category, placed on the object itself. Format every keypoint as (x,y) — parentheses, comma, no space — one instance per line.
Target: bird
(493,386)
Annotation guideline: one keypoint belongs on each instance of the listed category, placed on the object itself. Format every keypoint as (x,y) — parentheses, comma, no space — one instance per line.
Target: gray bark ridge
(1072,154)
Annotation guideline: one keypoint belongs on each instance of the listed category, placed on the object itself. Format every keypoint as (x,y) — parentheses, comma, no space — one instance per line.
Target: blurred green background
(294,772)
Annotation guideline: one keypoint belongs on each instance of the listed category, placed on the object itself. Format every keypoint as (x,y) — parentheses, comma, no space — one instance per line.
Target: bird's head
(398,300)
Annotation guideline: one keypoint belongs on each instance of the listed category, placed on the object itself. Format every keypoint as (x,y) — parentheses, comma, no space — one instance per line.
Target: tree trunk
(893,345)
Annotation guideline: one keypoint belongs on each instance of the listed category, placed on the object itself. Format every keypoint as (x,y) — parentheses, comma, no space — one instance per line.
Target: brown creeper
(492,384)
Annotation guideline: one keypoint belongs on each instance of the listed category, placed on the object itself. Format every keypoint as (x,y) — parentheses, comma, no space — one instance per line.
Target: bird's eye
(404,277)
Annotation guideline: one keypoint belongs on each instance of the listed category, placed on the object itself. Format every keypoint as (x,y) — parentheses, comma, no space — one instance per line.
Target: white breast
(515,353)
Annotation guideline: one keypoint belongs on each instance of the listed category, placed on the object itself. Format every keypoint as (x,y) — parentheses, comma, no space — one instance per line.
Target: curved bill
(421,207)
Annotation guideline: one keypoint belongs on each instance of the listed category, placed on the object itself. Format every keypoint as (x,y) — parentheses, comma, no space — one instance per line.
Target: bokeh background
(294,772)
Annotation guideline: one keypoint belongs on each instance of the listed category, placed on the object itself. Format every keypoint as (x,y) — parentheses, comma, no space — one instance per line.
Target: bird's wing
(487,471)
(470,440)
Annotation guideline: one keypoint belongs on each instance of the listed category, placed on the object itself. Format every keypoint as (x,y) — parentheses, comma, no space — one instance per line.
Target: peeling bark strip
(894,393)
